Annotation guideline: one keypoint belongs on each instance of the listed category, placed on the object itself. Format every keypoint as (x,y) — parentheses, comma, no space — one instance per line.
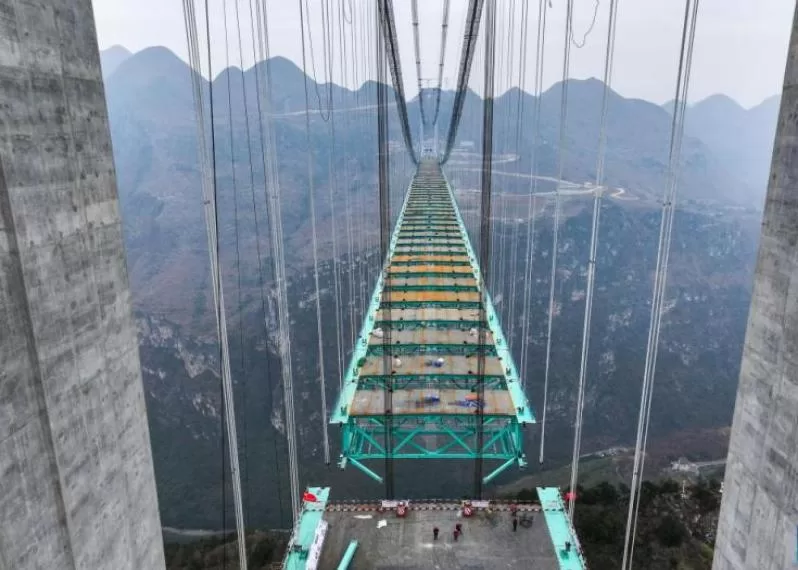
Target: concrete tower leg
(759,511)
(77,487)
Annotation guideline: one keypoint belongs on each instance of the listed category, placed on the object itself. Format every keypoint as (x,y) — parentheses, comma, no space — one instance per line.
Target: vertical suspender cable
(591,262)
(520,108)
(254,16)
(259,54)
(385,221)
(344,62)
(312,206)
(484,233)
(331,185)
(660,274)
(533,186)
(209,183)
(556,229)
(278,266)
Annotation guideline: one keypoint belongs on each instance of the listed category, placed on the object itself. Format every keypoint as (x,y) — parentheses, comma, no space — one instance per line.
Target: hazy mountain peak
(112,58)
(153,62)
(718,103)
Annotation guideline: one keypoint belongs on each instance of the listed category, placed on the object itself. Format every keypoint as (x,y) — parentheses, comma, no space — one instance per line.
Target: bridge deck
(426,314)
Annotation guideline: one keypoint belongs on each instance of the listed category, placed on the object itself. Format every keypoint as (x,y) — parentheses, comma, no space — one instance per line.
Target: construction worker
(435,531)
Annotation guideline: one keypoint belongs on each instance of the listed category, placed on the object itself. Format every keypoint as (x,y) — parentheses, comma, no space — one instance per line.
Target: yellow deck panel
(429,314)
(408,402)
(431,269)
(399,258)
(420,296)
(432,336)
(420,365)
(460,280)
(437,241)
(436,217)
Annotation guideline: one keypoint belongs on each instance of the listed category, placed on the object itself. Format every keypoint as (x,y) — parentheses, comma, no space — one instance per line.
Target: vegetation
(674,531)
(264,551)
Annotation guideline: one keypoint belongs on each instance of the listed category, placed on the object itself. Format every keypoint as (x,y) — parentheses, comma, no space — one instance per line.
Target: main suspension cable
(417,49)
(444,34)
(466,58)
(388,26)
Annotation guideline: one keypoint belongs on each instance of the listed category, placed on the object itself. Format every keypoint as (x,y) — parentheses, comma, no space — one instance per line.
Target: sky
(740,49)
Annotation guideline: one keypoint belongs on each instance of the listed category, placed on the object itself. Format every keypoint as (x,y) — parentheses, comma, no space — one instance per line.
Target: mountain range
(155,146)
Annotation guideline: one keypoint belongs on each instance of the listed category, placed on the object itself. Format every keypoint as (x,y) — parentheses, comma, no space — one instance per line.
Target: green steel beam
(400,324)
(429,304)
(437,349)
(441,381)
(415,262)
(453,288)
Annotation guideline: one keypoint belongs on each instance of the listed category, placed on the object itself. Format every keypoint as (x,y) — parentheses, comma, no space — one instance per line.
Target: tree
(671,532)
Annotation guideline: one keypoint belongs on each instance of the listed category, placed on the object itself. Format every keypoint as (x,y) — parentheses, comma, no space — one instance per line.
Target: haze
(740,47)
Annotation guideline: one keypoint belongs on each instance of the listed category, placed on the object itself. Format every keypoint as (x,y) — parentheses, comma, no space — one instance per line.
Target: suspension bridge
(431,375)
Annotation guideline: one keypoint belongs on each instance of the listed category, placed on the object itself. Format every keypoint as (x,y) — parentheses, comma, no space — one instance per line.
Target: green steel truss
(421,425)
(451,438)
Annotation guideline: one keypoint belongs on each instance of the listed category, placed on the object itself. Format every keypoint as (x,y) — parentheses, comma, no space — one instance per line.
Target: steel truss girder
(435,349)
(432,437)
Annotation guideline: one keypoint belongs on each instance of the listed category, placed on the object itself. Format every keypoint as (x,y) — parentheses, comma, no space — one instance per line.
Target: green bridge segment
(432,303)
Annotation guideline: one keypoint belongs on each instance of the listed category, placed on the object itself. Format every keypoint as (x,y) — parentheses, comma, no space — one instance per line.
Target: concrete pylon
(759,511)
(77,487)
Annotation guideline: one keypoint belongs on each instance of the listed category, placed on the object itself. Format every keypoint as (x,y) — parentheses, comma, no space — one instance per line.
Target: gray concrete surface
(759,512)
(488,542)
(77,488)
